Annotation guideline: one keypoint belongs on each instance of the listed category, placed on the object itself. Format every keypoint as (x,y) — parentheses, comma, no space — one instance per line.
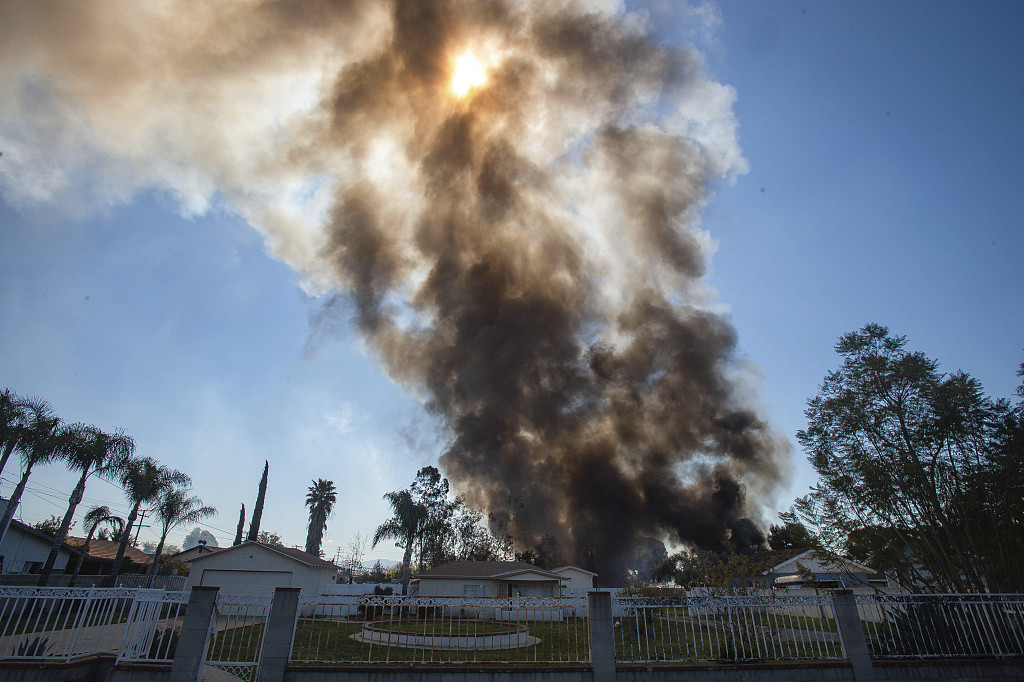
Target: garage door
(246,582)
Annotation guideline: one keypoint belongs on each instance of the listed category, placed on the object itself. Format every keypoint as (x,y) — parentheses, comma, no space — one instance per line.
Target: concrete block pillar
(852,634)
(188,656)
(279,634)
(602,636)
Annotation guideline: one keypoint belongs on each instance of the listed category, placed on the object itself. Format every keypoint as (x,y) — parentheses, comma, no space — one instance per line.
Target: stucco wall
(18,548)
(576,579)
(256,558)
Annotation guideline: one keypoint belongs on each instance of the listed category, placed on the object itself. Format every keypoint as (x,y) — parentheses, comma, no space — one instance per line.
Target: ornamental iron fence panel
(943,625)
(684,629)
(438,630)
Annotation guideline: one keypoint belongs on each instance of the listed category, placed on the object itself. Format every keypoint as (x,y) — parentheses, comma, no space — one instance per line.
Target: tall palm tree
(320,500)
(94,518)
(174,508)
(405,527)
(14,413)
(91,452)
(143,480)
(43,439)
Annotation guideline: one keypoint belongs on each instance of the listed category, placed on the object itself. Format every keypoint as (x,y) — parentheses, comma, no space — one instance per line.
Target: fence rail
(733,628)
(39,623)
(943,625)
(385,629)
(144,625)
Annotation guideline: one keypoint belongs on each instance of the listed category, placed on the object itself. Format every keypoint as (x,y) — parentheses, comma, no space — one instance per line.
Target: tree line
(920,475)
(29,427)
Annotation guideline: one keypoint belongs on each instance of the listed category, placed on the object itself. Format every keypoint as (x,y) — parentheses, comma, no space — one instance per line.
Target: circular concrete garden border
(517,636)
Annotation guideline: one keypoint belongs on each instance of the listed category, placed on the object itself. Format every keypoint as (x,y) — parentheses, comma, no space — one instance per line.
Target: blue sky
(885,155)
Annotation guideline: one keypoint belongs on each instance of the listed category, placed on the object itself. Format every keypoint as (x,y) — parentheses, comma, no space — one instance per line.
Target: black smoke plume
(526,257)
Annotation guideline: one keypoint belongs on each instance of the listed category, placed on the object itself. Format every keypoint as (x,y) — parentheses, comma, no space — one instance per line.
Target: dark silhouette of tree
(174,507)
(241,527)
(404,527)
(923,458)
(15,413)
(257,512)
(143,480)
(43,439)
(320,500)
(94,518)
(91,452)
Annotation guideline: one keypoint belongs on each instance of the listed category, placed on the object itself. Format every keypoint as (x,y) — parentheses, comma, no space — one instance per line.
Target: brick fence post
(852,634)
(188,656)
(277,640)
(602,636)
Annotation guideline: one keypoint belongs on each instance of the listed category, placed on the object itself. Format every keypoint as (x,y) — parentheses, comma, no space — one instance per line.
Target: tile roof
(107,549)
(484,569)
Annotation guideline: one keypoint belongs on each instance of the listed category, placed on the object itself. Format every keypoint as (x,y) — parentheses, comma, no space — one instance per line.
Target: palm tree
(13,418)
(43,439)
(320,501)
(143,480)
(91,452)
(174,508)
(94,518)
(405,527)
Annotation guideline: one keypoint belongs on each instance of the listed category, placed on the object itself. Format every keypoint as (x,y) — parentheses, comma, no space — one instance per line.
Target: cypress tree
(241,527)
(257,512)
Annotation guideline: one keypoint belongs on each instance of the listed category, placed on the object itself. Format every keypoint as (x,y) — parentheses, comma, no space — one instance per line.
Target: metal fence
(158,582)
(943,625)
(153,626)
(403,630)
(725,628)
(59,623)
(237,631)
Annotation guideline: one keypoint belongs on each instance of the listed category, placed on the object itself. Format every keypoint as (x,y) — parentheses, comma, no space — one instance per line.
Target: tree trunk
(406,560)
(81,559)
(12,504)
(8,449)
(156,557)
(119,558)
(65,525)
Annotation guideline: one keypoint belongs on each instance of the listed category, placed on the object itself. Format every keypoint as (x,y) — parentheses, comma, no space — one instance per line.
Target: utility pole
(139,526)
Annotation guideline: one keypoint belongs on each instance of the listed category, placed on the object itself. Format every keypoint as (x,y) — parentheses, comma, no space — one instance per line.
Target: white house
(24,550)
(576,580)
(256,568)
(812,568)
(487,579)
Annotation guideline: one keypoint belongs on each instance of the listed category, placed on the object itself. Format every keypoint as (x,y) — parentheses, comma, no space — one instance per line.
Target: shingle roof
(15,523)
(107,549)
(290,552)
(484,569)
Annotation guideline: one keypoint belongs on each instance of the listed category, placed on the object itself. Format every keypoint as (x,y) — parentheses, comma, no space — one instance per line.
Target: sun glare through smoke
(469,73)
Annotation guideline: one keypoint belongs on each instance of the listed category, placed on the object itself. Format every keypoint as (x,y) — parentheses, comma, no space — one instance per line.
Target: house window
(472,590)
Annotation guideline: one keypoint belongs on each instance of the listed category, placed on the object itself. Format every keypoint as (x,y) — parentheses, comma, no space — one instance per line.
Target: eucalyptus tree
(143,480)
(94,518)
(43,439)
(320,500)
(173,508)
(405,527)
(90,452)
(911,459)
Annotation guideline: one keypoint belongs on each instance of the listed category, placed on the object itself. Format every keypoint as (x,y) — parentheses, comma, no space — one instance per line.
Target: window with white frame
(472,590)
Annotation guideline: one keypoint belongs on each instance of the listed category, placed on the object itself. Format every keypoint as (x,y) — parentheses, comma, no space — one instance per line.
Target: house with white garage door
(256,568)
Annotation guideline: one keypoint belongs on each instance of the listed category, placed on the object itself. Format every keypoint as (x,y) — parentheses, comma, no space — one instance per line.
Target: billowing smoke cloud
(527,257)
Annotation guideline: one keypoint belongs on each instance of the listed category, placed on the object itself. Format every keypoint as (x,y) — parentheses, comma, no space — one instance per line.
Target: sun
(470,73)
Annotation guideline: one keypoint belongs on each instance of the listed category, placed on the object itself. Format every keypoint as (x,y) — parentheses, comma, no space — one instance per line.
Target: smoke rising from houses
(523,253)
